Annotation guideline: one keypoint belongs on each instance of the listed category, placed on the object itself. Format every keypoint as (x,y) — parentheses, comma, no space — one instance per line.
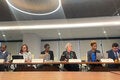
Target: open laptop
(99,56)
(17,57)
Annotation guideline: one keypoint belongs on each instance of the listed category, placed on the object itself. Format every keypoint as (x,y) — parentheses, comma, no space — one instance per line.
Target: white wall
(33,42)
(13,47)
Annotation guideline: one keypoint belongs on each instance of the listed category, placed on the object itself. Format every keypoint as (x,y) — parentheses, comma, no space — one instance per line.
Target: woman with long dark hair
(26,53)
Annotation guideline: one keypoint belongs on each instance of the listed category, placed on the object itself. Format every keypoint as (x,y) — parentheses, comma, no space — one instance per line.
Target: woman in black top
(48,52)
(48,55)
(69,54)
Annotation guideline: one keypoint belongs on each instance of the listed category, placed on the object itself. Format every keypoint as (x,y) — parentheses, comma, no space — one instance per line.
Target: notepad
(37,60)
(74,60)
(18,61)
(1,60)
(106,60)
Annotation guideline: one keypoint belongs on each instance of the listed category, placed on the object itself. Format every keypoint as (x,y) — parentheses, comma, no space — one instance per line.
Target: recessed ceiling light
(59,33)
(118,14)
(104,32)
(3,35)
(31,13)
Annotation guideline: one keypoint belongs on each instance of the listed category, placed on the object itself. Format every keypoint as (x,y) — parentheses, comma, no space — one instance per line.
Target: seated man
(69,54)
(114,54)
(3,55)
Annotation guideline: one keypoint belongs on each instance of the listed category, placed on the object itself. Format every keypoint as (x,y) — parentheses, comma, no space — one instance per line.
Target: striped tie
(116,56)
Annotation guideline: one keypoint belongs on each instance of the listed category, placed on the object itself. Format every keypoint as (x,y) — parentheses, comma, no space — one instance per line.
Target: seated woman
(25,52)
(27,56)
(48,54)
(69,54)
(91,54)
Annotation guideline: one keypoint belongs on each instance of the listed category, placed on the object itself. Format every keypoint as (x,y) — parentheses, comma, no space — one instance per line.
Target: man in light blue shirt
(3,55)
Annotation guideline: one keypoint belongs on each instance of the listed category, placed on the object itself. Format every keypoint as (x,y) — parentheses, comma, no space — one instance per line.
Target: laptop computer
(17,57)
(99,56)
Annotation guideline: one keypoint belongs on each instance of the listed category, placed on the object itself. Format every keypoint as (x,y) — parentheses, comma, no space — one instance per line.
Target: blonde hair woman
(69,54)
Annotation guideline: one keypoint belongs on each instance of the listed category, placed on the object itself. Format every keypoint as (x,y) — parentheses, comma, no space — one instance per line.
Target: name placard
(1,60)
(106,60)
(74,60)
(18,61)
(37,60)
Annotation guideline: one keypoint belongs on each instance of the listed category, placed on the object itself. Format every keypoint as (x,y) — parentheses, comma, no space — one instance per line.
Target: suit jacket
(89,54)
(112,56)
(51,54)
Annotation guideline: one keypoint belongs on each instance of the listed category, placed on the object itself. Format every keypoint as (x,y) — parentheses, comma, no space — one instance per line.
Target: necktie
(116,56)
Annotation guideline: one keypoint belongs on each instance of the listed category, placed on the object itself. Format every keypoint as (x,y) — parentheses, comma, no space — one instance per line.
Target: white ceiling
(65,33)
(68,32)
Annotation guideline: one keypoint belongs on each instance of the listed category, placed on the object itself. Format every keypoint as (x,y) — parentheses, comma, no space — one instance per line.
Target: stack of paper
(119,59)
(74,60)
(37,60)
(1,60)
(106,60)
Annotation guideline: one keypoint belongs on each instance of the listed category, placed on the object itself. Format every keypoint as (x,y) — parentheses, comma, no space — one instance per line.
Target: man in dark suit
(114,54)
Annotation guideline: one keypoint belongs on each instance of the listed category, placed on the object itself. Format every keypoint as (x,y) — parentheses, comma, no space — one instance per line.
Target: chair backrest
(33,56)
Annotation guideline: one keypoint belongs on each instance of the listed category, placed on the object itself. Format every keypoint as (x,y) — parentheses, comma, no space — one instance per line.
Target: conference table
(61,62)
(59,75)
